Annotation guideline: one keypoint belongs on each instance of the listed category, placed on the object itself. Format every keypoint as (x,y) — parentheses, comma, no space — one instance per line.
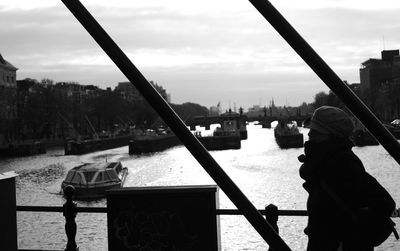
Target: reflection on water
(265,174)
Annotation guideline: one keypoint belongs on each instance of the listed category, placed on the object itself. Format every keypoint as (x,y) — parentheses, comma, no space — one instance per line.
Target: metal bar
(40,250)
(60,209)
(262,212)
(45,209)
(396,213)
(176,124)
(329,77)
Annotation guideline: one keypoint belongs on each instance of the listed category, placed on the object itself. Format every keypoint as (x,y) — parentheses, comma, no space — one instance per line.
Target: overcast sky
(200,51)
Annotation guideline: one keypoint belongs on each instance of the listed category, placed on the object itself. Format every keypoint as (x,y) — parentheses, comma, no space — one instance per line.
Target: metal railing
(47,209)
(70,210)
(271,214)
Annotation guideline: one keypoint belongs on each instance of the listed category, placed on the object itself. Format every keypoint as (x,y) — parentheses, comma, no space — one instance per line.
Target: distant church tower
(273,109)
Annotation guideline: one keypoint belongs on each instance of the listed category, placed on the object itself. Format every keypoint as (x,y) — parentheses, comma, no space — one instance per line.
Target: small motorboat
(91,180)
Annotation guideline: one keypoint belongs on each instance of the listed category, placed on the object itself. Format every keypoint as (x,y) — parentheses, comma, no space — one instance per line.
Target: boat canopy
(94,173)
(395,122)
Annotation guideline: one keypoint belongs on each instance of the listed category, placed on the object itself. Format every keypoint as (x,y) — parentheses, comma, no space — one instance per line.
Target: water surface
(264,173)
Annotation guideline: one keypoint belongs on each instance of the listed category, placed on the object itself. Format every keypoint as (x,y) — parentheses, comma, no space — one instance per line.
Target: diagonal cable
(329,77)
(176,124)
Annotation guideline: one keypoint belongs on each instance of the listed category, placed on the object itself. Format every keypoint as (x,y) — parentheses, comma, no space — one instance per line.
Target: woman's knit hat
(331,120)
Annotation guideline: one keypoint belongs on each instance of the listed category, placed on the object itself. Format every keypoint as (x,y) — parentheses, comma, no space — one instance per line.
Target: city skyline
(202,52)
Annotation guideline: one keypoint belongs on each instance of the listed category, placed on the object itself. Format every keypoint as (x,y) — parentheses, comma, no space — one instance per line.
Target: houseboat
(83,146)
(152,141)
(221,142)
(287,135)
(91,180)
(233,117)
(227,136)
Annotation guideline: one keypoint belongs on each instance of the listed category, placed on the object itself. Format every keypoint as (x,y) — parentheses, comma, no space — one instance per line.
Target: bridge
(206,121)
(267,120)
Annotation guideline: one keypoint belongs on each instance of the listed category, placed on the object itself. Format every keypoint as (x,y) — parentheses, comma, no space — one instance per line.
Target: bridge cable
(176,124)
(329,77)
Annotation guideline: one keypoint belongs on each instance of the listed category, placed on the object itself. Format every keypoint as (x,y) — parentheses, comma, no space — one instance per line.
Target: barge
(22,149)
(152,143)
(78,147)
(287,135)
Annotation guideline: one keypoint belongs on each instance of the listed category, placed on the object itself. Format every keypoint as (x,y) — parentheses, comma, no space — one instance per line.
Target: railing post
(69,212)
(271,215)
(8,212)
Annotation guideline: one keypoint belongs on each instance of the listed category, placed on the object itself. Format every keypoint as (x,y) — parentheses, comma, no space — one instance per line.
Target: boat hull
(212,143)
(243,134)
(91,192)
(25,149)
(88,146)
(395,131)
(289,141)
(100,180)
(148,144)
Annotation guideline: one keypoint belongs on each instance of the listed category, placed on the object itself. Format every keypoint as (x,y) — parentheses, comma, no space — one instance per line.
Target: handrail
(194,146)
(60,209)
(281,212)
(104,210)
(329,77)
(70,210)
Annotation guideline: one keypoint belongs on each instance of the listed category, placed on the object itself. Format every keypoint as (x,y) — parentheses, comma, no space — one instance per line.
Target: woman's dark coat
(328,224)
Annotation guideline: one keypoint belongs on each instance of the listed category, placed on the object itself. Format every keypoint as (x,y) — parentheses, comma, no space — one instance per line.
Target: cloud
(200,51)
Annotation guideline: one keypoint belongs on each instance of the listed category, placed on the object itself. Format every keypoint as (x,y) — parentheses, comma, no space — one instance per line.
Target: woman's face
(317,137)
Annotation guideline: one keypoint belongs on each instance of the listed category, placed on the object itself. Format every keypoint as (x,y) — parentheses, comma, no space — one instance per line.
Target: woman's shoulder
(344,162)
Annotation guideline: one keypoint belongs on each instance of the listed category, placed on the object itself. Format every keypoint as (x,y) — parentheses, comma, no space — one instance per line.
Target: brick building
(379,84)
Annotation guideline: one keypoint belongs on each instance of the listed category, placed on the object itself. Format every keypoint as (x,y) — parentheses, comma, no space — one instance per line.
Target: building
(8,100)
(215,110)
(374,71)
(128,91)
(256,111)
(8,73)
(378,79)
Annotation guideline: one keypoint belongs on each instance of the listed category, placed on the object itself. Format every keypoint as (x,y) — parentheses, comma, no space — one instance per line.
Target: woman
(343,197)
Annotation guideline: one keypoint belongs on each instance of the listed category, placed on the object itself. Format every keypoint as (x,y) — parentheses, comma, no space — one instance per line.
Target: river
(264,173)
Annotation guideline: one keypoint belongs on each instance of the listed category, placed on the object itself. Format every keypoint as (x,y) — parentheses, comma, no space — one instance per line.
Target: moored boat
(221,142)
(361,136)
(78,147)
(287,135)
(152,142)
(227,136)
(233,121)
(22,149)
(91,180)
(394,128)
